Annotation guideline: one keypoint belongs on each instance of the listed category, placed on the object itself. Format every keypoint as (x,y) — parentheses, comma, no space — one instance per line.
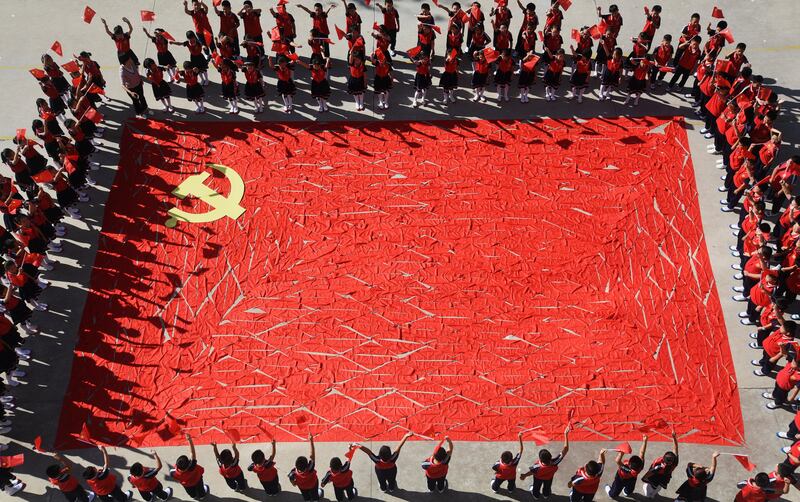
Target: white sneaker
(18,373)
(169,493)
(5,430)
(41,307)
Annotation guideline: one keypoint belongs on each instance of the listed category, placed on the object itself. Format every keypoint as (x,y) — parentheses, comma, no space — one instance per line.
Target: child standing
(660,471)
(638,82)
(585,482)
(506,469)
(356,81)
(449,79)
(611,74)
(545,469)
(286,87)
(422,79)
(161,89)
(60,476)
(552,76)
(194,91)
(163,55)
(503,73)
(627,473)
(480,75)
(189,474)
(266,471)
(229,467)
(694,488)
(320,87)
(527,75)
(196,57)
(230,87)
(254,85)
(386,464)
(436,467)
(341,477)
(580,74)
(104,483)
(304,476)
(145,480)
(383,78)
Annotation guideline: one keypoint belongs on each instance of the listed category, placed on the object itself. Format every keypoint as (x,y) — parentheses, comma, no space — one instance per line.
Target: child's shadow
(519,494)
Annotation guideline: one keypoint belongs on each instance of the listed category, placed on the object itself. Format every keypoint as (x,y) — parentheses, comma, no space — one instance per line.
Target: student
(652,22)
(161,89)
(660,471)
(691,30)
(448,81)
(613,19)
(122,39)
(506,469)
(60,476)
(144,479)
(552,76)
(627,473)
(265,470)
(202,27)
(690,55)
(356,81)
(786,386)
(196,58)
(386,464)
(638,82)
(189,474)
(229,467)
(104,483)
(254,85)
(661,58)
(503,74)
(304,476)
(545,469)
(194,90)
(611,74)
(586,480)
(164,56)
(320,87)
(754,489)
(391,23)
(9,484)
(422,78)
(775,347)
(252,22)
(341,477)
(527,75)
(579,80)
(286,86)
(698,477)
(320,28)
(382,82)
(436,467)
(228,23)
(352,18)
(530,21)
(480,75)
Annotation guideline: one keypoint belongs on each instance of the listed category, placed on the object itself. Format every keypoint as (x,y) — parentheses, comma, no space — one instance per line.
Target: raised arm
(521,444)
(601,459)
(643,449)
(192,452)
(407,436)
(565,449)
(130,26)
(449,446)
(105,25)
(674,443)
(216,451)
(235,452)
(148,35)
(303,7)
(312,455)
(105,457)
(272,455)
(713,467)
(159,465)
(186,8)
(618,459)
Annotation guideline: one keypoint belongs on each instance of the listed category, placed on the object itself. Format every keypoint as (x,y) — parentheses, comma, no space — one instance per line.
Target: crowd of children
(739,110)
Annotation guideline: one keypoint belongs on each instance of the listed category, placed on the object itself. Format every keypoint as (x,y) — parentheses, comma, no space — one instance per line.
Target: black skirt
(23,179)
(29,291)
(61,84)
(526,78)
(356,85)
(57,105)
(579,79)
(54,214)
(692,493)
(422,82)
(36,164)
(230,91)
(601,57)
(200,62)
(20,313)
(166,59)
(67,197)
(479,79)
(321,89)
(552,79)
(162,90)
(502,77)
(382,83)
(255,90)
(195,92)
(610,78)
(286,87)
(636,85)
(52,149)
(449,81)
(37,245)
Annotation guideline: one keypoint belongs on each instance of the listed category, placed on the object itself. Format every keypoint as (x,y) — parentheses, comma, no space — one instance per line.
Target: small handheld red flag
(293,56)
(217,2)
(476,12)
(595,33)
(666,69)
(275,34)
(745,461)
(438,445)
(71,67)
(576,35)
(56,47)
(717,13)
(414,51)
(352,451)
(20,135)
(531,63)
(436,29)
(95,116)
(376,26)
(283,2)
(728,35)
(380,56)
(539,439)
(88,14)
(148,15)
(602,26)
(541,36)
(339,32)
(490,54)
(624,448)
(85,435)
(37,443)
(96,89)
(366,2)
(453,54)
(166,35)
(233,435)
(436,2)
(37,73)
(566,4)
(13,461)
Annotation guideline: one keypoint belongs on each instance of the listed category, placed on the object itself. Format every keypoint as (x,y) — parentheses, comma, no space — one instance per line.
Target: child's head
(318,8)
(226,6)
(762,480)
(53,471)
(440,454)
(741,47)
(506,457)
(592,468)
(90,472)
(700,473)
(636,463)
(560,54)
(656,9)
(695,41)
(722,25)
(118,30)
(301,464)
(190,36)
(385,453)
(182,463)
(545,457)
(336,464)
(258,457)
(137,470)
(226,457)
(670,458)
(351,7)
(667,39)
(613,9)
(37,125)
(425,8)
(148,63)
(247,5)
(187,65)
(695,18)
(617,53)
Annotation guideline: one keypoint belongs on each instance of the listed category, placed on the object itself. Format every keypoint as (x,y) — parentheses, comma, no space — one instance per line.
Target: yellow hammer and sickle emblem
(222,206)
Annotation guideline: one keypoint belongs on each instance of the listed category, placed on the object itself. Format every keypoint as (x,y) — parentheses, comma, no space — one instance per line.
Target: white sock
(480,91)
(423,92)
(285,101)
(290,99)
(386,98)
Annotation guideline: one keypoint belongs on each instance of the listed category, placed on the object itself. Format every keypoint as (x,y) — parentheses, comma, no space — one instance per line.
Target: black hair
(697,38)
(258,457)
(741,45)
(385,453)
(762,480)
(226,457)
(182,463)
(789,326)
(722,25)
(700,473)
(670,458)
(36,124)
(795,159)
(592,468)
(226,3)
(148,62)
(747,72)
(53,471)
(506,457)
(545,456)
(695,15)
(90,472)
(336,464)
(668,37)
(440,454)
(613,8)
(657,8)
(425,6)
(636,462)
(137,470)
(301,464)
(118,30)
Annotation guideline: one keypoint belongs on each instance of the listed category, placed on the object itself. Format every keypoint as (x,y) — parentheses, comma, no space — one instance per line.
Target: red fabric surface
(476,279)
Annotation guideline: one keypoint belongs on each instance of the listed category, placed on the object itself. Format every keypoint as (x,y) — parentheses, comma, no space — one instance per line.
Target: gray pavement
(768,27)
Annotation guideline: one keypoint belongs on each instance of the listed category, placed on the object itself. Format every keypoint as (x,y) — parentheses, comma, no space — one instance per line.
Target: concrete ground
(31,27)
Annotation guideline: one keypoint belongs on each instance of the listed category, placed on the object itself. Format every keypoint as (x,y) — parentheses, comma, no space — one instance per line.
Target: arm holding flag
(403,441)
(565,449)
(312,455)
(643,449)
(193,454)
(105,458)
(272,454)
(159,465)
